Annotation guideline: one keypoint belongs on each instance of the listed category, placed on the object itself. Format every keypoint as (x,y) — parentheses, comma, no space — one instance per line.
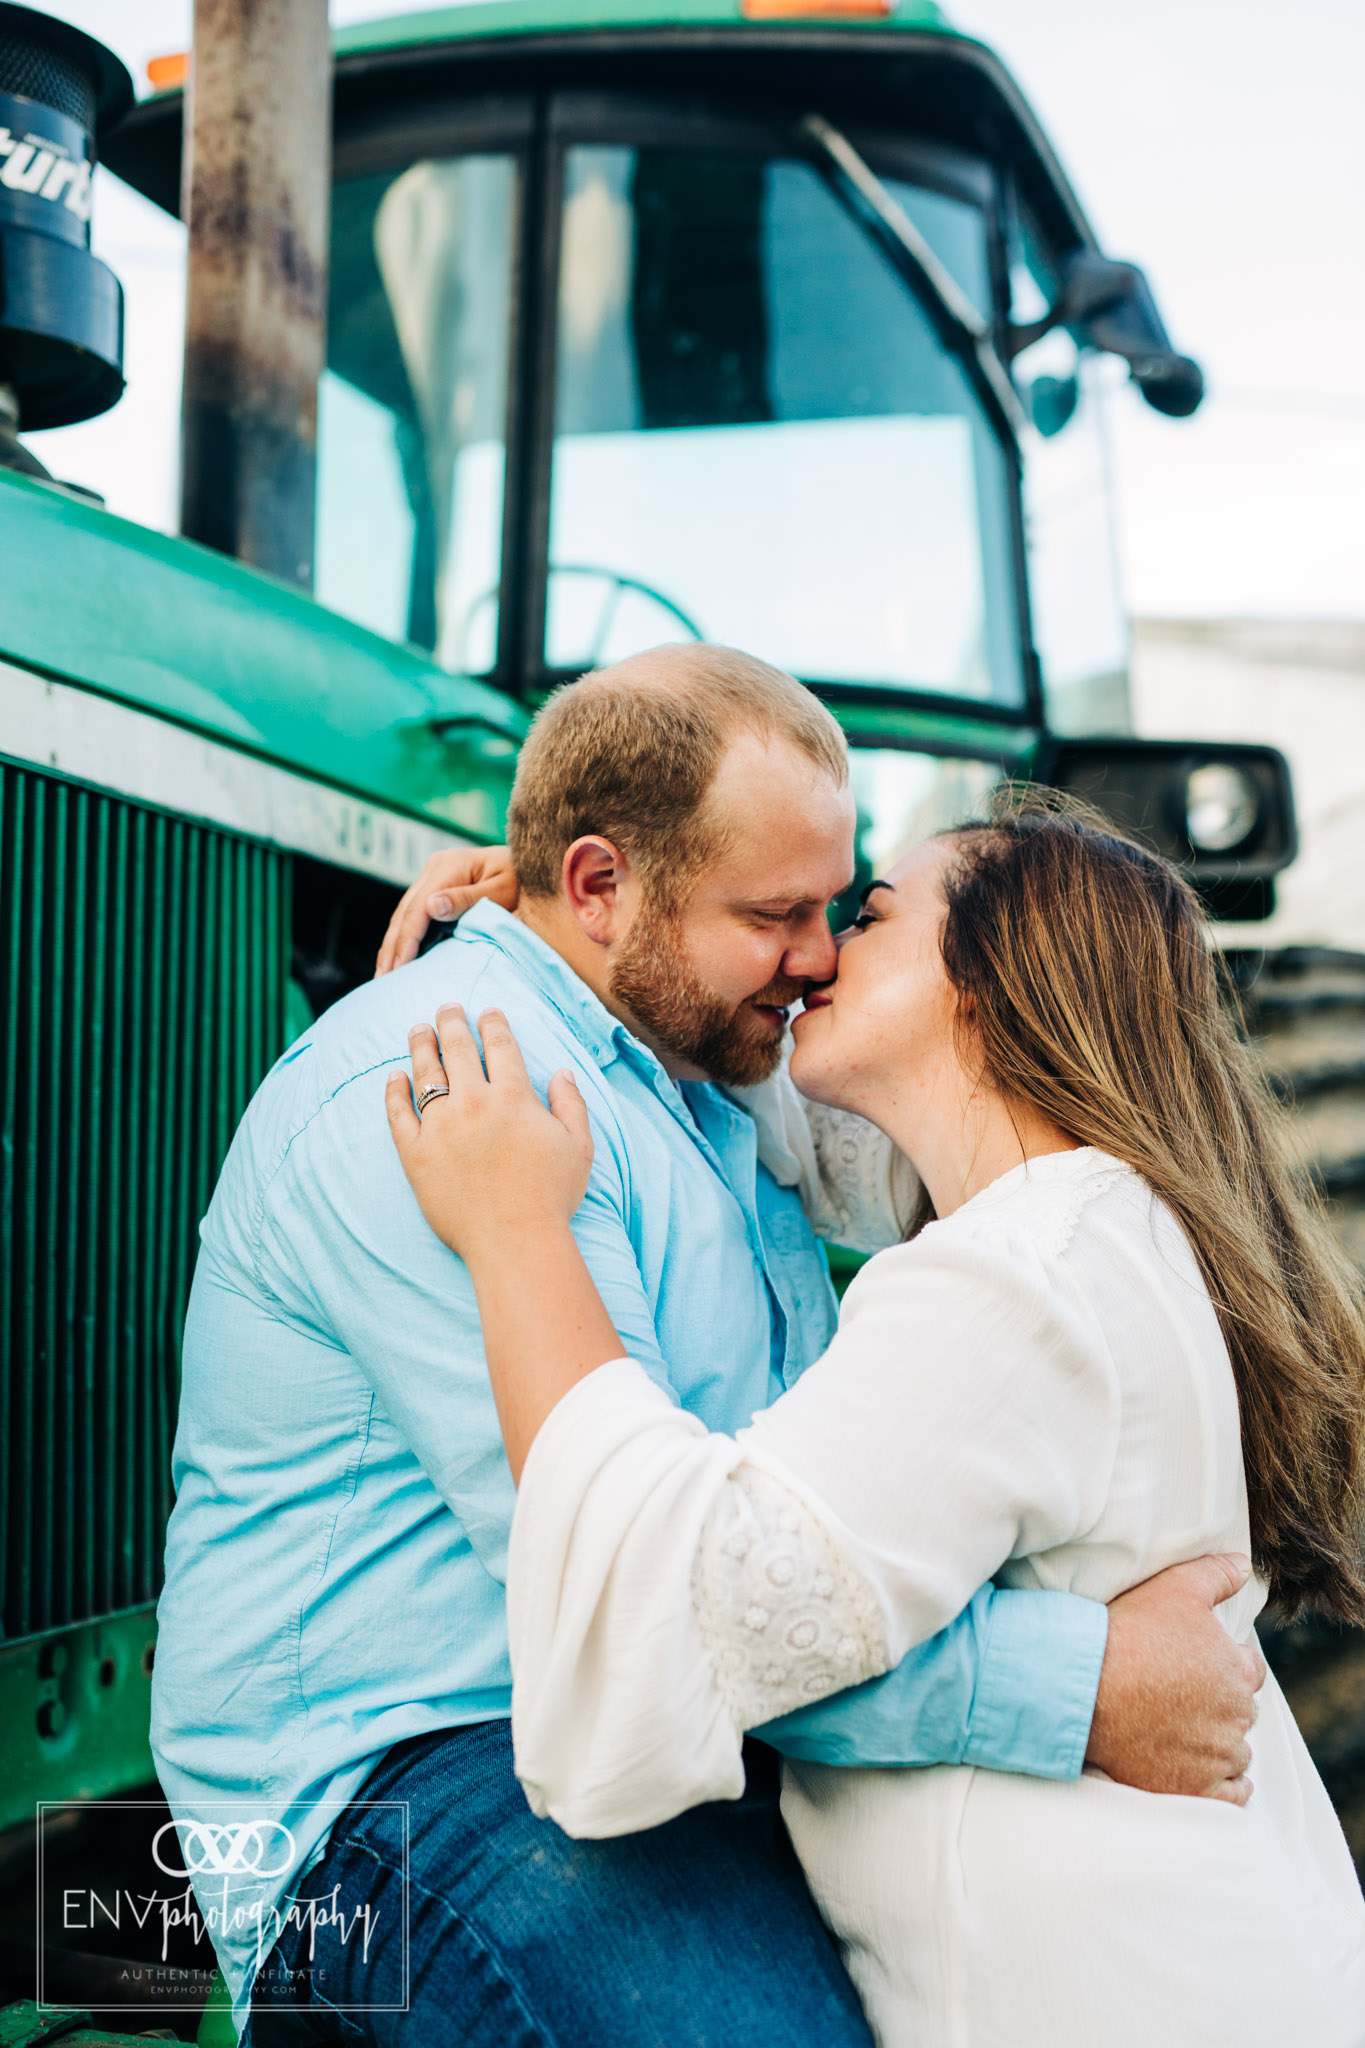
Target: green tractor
(747,320)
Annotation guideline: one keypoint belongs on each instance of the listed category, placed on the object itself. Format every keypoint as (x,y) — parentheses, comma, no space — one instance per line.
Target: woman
(1119,1339)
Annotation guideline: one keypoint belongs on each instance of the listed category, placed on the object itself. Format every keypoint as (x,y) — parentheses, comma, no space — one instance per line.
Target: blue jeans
(697,1934)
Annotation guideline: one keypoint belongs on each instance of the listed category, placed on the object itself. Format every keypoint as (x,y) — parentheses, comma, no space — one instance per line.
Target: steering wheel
(619,583)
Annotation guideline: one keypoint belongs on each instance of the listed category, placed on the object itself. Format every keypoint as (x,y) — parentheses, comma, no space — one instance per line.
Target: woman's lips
(818,999)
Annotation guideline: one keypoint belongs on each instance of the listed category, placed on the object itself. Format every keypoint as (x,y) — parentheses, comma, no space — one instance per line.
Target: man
(333,1650)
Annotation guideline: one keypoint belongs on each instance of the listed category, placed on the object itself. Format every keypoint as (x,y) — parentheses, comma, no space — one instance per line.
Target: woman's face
(885,1028)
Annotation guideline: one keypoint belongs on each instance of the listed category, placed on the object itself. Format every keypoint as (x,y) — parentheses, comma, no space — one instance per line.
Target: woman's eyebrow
(870,887)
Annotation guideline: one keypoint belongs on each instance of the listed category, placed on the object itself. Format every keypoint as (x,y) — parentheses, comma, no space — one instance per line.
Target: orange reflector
(792,10)
(164,73)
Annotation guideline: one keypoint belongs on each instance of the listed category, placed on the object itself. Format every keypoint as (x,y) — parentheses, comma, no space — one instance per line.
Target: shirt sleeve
(670,1588)
(1009,1685)
(343,1245)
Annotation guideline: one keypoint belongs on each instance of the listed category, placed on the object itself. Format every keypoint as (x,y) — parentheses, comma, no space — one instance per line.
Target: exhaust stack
(258,131)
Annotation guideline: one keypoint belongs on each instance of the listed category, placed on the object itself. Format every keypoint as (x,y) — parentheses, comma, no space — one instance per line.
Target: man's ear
(595,878)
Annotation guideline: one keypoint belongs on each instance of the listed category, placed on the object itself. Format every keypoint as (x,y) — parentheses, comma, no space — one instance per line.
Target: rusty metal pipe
(257,188)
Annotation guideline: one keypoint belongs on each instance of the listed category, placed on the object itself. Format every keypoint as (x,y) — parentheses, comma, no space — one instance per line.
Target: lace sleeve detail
(784,1618)
(855,1187)
(868,1188)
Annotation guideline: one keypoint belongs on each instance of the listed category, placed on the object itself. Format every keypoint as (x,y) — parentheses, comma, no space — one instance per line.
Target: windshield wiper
(953,313)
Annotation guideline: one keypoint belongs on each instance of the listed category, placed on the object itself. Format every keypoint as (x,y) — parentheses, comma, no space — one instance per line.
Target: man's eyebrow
(870,887)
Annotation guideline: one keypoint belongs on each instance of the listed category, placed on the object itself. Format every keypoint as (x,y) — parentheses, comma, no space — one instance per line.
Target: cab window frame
(503,124)
(632,119)
(538,128)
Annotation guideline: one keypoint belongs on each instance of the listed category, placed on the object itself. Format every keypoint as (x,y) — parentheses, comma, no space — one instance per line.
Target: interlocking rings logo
(226,1849)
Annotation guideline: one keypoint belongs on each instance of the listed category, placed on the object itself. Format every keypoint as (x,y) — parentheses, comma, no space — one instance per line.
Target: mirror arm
(1109,306)
(1019,336)
(964,328)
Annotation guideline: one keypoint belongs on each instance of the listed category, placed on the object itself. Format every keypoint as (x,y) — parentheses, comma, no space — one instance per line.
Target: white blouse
(1035,1388)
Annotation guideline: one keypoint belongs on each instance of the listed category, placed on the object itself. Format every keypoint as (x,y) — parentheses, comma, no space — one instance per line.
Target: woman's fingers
(409,926)
(387,957)
(464,1068)
(450,873)
(497,884)
(1234,1791)
(568,1105)
(450,1055)
(425,1054)
(451,904)
(487,1152)
(404,1121)
(450,884)
(501,1053)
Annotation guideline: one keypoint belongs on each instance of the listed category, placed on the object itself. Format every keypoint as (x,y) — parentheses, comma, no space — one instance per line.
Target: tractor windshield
(760,439)
(728,418)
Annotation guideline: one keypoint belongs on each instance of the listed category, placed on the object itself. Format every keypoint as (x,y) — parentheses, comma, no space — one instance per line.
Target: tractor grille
(142,961)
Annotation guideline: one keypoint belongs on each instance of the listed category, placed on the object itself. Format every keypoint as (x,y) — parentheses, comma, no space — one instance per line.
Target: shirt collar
(591,1022)
(607,1039)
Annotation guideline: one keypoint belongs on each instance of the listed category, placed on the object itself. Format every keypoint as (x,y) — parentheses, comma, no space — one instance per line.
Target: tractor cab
(741,326)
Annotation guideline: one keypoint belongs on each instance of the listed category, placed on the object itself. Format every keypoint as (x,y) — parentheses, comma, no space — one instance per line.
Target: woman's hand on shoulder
(451,883)
(488,1162)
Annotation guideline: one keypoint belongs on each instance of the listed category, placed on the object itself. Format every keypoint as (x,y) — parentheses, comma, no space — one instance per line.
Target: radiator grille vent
(143,998)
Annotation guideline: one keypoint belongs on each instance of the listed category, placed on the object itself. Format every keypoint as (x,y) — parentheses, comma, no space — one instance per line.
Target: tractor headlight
(1222,811)
(1221,807)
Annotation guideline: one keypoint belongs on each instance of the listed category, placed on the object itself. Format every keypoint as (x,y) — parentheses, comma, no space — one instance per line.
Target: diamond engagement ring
(429,1094)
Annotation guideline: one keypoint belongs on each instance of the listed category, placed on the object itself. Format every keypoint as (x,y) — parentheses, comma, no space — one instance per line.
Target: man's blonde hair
(630,752)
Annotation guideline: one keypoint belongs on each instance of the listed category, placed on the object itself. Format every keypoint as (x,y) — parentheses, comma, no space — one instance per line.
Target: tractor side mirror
(1223,813)
(1109,306)
(1051,403)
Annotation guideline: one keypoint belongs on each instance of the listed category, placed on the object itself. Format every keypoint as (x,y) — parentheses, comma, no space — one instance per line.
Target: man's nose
(813,957)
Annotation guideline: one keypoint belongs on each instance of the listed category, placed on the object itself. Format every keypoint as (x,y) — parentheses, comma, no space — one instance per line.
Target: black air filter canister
(61,311)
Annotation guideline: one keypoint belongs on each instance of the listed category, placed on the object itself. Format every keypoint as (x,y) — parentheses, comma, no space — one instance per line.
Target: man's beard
(653,979)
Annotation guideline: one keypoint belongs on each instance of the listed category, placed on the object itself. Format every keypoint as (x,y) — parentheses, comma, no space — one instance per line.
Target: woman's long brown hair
(1092,991)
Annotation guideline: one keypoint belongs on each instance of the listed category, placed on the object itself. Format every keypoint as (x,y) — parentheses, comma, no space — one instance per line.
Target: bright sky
(1216,142)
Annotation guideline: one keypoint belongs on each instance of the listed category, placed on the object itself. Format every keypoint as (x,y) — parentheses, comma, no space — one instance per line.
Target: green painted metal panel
(879,722)
(528,17)
(180,631)
(144,968)
(74,1713)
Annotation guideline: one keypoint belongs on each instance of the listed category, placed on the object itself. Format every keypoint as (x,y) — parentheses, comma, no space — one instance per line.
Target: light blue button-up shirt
(336,1555)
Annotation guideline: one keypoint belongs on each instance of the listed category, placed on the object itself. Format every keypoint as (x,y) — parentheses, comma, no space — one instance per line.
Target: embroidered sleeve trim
(784,1618)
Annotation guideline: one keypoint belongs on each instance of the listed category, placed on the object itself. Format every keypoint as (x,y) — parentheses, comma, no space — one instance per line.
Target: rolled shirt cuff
(1040,1673)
